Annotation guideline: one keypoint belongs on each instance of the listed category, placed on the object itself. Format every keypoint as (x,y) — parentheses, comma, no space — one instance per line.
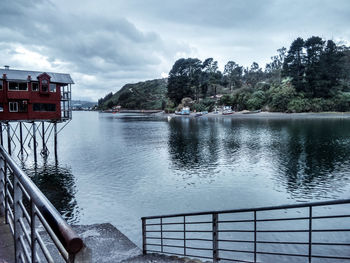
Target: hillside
(83,104)
(148,95)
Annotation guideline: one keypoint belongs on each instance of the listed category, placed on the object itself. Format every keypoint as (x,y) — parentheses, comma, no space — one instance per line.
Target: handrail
(226,235)
(71,242)
(266,208)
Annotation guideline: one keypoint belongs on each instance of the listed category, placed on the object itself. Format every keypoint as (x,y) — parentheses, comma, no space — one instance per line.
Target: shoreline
(269,115)
(238,115)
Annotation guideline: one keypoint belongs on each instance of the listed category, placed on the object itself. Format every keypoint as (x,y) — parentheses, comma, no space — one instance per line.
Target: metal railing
(301,232)
(38,228)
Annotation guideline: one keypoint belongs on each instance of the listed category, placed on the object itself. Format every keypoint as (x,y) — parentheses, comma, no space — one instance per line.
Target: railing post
(17,192)
(310,234)
(2,186)
(144,248)
(215,237)
(161,235)
(254,236)
(185,236)
(5,189)
(33,231)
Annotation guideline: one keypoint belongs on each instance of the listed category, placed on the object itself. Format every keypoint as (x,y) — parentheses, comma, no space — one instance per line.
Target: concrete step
(108,244)
(158,258)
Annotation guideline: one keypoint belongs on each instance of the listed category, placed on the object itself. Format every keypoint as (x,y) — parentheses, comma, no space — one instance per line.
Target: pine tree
(293,65)
(314,51)
(184,79)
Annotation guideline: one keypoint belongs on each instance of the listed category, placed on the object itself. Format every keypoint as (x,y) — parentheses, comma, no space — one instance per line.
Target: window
(44,85)
(1,107)
(18,86)
(52,87)
(18,106)
(44,107)
(23,106)
(35,86)
(13,106)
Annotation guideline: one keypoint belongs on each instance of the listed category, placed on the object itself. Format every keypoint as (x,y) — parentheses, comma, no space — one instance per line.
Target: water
(116,169)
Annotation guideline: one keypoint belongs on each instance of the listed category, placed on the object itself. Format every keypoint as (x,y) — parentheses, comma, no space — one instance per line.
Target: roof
(13,74)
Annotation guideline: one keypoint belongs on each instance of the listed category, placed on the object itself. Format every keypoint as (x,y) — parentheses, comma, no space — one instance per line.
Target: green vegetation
(313,75)
(143,95)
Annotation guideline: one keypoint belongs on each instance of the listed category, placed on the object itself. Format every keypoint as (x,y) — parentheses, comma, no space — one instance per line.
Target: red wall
(32,97)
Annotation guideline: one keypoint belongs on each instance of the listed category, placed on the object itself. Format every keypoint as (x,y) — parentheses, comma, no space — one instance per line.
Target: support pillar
(55,140)
(21,136)
(34,141)
(44,150)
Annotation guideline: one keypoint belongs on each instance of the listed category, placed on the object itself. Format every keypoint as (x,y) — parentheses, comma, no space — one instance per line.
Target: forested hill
(313,75)
(149,94)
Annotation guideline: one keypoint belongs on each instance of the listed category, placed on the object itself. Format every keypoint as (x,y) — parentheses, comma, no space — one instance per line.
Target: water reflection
(309,158)
(314,158)
(194,146)
(58,185)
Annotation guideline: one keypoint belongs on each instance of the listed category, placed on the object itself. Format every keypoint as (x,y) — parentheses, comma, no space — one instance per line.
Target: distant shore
(270,115)
(243,115)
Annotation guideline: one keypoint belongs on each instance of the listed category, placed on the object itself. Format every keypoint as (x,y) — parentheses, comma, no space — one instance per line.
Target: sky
(106,44)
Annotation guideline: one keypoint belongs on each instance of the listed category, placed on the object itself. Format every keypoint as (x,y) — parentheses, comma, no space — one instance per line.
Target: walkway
(6,243)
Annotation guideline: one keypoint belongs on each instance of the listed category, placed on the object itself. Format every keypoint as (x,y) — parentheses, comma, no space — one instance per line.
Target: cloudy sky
(105,44)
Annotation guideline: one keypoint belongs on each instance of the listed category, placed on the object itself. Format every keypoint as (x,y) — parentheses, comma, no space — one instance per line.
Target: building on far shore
(34,96)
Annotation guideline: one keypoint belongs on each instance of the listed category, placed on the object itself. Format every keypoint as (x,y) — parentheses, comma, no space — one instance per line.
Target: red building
(32,95)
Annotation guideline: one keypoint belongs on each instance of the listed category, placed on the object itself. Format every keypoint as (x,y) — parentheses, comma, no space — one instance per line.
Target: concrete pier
(108,244)
(104,242)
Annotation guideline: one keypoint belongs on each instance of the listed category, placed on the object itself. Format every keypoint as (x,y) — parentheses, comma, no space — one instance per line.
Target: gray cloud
(92,45)
(107,44)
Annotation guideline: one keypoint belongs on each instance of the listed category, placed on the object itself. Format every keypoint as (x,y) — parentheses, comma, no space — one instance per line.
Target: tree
(314,50)
(293,65)
(253,75)
(273,69)
(316,67)
(233,74)
(110,104)
(281,95)
(210,76)
(184,79)
(102,101)
(210,66)
(330,71)
(345,68)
